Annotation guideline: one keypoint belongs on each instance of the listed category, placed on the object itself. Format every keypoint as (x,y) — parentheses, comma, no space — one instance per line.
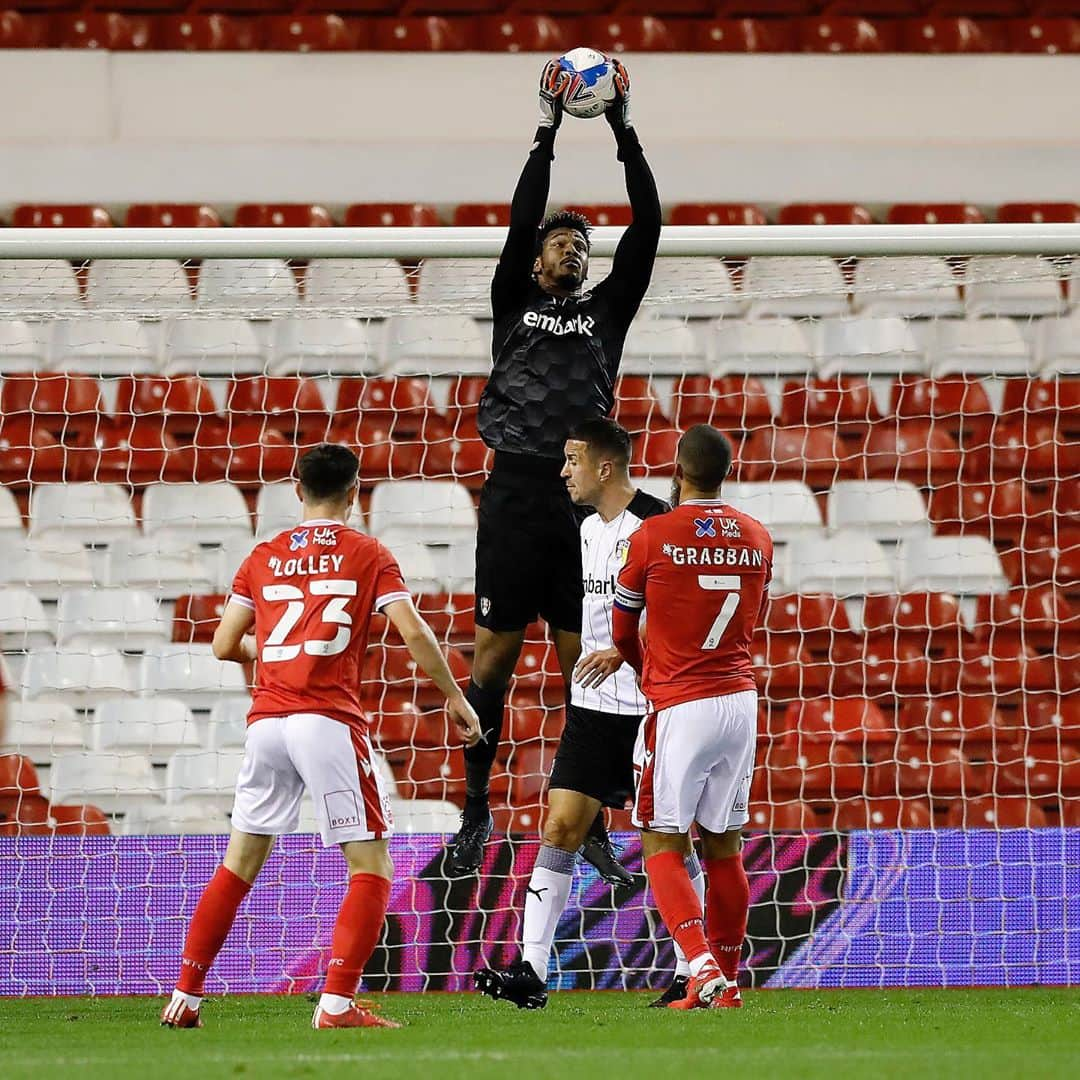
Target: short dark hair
(327,471)
(705,457)
(564,219)
(605,436)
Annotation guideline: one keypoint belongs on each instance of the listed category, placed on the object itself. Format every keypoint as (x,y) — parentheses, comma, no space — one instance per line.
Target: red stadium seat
(433,774)
(813,772)
(814,620)
(244,451)
(810,454)
(932,34)
(603,213)
(382,215)
(617,33)
(26,815)
(857,814)
(1042,558)
(392,670)
(854,721)
(101,30)
(465,393)
(425,33)
(788,816)
(956,402)
(1004,666)
(67,216)
(929,620)
(182,400)
(538,675)
(289,403)
(1032,449)
(18,777)
(917,451)
(933,213)
(311,33)
(195,618)
(1040,212)
(1050,716)
(29,454)
(637,404)
(399,727)
(535,723)
(1043,34)
(381,456)
(784,669)
(136,450)
(405,402)
(843,401)
(282,215)
(738,36)
(844,34)
(1038,615)
(451,616)
(991,812)
(959,719)
(513,32)
(19,31)
(173,215)
(1038,770)
(932,769)
(654,452)
(469,214)
(731,402)
(823,213)
(1006,510)
(472,461)
(78,821)
(717,214)
(67,406)
(193,32)
(879,667)
(1048,398)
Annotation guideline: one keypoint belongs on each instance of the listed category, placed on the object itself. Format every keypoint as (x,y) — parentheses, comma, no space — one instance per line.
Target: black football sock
(490,706)
(598,830)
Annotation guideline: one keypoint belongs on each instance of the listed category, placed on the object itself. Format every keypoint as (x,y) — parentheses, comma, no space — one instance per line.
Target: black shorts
(528,547)
(596,756)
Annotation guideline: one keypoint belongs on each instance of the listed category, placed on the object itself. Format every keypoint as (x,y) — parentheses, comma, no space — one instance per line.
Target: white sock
(699,962)
(334,1004)
(545,900)
(192,1001)
(697,879)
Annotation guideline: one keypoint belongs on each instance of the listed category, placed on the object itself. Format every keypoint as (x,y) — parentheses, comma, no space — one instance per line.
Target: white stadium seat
(228,723)
(459,285)
(23,623)
(978,347)
(779,285)
(661,345)
(125,619)
(353,283)
(38,287)
(170,565)
(1057,345)
(113,781)
(105,346)
(696,288)
(437,345)
(47,566)
(425,816)
(769,347)
(257,288)
(1019,285)
(884,509)
(418,565)
(212,347)
(78,677)
(786,508)
(190,673)
(847,563)
(967,565)
(334,346)
(135,286)
(156,728)
(154,818)
(205,777)
(91,513)
(23,346)
(206,513)
(865,346)
(441,511)
(11,526)
(912,286)
(276,508)
(41,729)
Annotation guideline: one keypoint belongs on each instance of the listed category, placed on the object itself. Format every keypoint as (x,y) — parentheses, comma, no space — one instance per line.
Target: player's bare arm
(232,638)
(424,649)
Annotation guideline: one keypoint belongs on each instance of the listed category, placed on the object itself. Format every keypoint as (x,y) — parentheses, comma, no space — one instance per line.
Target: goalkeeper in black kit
(556,346)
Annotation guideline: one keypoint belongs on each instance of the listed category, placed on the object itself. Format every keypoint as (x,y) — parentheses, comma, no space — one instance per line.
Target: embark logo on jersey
(341,809)
(298,539)
(599,586)
(558,325)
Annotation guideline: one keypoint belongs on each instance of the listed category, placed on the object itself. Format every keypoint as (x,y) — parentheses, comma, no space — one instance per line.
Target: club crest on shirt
(485,606)
(298,539)
(622,551)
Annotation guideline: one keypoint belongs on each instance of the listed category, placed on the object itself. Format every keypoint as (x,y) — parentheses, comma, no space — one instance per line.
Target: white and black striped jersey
(602,546)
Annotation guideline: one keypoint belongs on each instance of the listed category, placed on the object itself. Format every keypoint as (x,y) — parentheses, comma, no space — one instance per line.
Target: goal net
(904,406)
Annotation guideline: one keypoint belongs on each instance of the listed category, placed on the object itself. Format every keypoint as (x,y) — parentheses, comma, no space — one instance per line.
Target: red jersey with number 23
(702,573)
(313,589)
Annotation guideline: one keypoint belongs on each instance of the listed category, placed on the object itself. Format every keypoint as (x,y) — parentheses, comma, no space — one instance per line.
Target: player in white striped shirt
(594,764)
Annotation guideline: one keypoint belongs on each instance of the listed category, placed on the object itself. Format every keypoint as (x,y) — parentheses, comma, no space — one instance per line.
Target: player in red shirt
(702,574)
(309,594)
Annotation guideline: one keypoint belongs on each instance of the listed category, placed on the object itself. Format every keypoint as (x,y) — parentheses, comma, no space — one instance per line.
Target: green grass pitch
(607,1036)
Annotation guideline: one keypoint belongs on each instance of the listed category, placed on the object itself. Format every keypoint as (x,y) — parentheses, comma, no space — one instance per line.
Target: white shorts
(285,754)
(693,762)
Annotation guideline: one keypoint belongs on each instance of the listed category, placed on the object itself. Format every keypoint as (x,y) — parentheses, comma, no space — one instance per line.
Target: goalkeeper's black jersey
(556,358)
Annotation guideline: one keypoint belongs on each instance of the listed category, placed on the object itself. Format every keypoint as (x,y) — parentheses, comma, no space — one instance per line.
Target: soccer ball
(592,83)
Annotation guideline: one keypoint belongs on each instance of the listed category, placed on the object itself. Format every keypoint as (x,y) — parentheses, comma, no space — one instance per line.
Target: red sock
(727,903)
(210,926)
(677,902)
(356,932)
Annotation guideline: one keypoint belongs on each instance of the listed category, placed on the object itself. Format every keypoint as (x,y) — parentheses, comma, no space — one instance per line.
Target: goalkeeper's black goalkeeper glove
(553,82)
(617,113)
